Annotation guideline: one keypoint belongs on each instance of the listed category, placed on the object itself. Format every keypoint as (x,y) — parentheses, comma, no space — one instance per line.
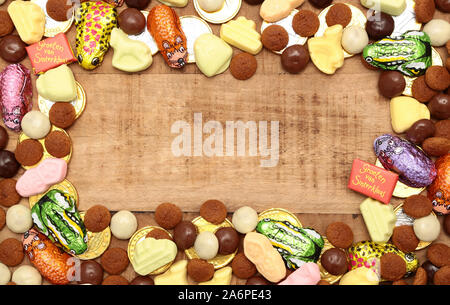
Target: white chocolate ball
(5,274)
(354,39)
(206,245)
(35,124)
(27,275)
(18,218)
(123,224)
(427,228)
(211,5)
(245,219)
(439,32)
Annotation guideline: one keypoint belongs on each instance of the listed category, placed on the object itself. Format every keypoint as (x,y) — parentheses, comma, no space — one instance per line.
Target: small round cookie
(200,270)
(168,215)
(442,276)
(437,78)
(339,13)
(123,224)
(421,91)
(59,10)
(417,206)
(97,218)
(436,146)
(35,124)
(305,23)
(421,277)
(115,260)
(242,267)
(442,129)
(243,66)
(392,267)
(158,234)
(115,280)
(18,219)
(29,152)
(26,275)
(439,254)
(8,193)
(339,235)
(2,218)
(399,283)
(6,24)
(57,144)
(275,37)
(11,252)
(404,238)
(62,114)
(424,10)
(213,211)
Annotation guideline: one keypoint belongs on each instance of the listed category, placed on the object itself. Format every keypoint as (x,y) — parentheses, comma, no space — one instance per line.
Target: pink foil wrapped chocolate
(15,93)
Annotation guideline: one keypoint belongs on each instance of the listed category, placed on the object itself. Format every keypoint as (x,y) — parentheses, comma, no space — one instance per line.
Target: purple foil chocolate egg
(15,93)
(413,166)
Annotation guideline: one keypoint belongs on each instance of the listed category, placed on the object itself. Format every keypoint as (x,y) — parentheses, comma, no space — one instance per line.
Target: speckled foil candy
(16,92)
(439,191)
(414,168)
(54,264)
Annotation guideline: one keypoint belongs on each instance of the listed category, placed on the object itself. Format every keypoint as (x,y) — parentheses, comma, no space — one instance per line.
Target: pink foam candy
(37,180)
(308,274)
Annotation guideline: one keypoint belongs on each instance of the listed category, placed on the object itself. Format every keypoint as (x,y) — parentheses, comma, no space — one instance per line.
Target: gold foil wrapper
(64,186)
(79,104)
(323,273)
(97,242)
(358,18)
(280,215)
(139,236)
(203,225)
(193,27)
(229,9)
(53,27)
(46,154)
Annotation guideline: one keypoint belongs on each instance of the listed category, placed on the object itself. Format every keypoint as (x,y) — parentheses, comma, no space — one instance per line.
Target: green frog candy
(296,245)
(409,54)
(56,216)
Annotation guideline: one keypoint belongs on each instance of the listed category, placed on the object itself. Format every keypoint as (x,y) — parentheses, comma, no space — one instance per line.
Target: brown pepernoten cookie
(62,114)
(2,218)
(6,24)
(29,152)
(59,10)
(339,13)
(404,238)
(399,283)
(436,146)
(421,91)
(442,129)
(442,276)
(158,234)
(417,206)
(437,78)
(115,260)
(339,235)
(168,215)
(243,66)
(242,267)
(421,277)
(11,252)
(275,37)
(97,218)
(115,280)
(424,10)
(392,267)
(58,144)
(439,254)
(200,270)
(213,211)
(305,23)
(8,193)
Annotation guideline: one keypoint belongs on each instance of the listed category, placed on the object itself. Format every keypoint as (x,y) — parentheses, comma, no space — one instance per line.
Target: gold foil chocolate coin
(79,104)
(203,225)
(64,186)
(53,27)
(139,236)
(280,215)
(97,242)
(325,275)
(193,27)
(229,9)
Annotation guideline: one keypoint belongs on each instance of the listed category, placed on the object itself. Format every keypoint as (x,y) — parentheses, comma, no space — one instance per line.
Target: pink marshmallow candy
(308,274)
(37,180)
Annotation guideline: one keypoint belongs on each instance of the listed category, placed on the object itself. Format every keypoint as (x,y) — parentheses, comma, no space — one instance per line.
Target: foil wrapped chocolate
(16,92)
(56,216)
(413,166)
(409,53)
(439,191)
(296,245)
(54,264)
(95,22)
(368,253)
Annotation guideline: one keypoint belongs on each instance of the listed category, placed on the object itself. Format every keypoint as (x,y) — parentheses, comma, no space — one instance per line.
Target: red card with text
(372,181)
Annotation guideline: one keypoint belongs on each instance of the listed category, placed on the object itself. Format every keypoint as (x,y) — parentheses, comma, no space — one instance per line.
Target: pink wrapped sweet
(307,274)
(37,180)
(15,93)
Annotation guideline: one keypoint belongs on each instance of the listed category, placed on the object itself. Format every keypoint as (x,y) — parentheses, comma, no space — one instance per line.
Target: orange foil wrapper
(50,53)
(372,181)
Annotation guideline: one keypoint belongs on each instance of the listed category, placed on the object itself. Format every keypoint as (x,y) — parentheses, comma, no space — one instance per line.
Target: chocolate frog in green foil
(296,245)
(409,54)
(56,216)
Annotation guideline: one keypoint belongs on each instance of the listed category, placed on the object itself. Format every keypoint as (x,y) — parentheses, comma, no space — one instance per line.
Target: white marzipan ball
(206,245)
(354,39)
(245,219)
(18,218)
(35,124)
(27,275)
(439,32)
(123,224)
(427,228)
(211,5)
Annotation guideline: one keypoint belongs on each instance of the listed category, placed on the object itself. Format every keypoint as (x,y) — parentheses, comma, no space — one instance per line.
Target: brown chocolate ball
(257,280)
(391,84)
(420,130)
(439,106)
(142,281)
(228,240)
(320,3)
(12,49)
(3,138)
(139,4)
(334,261)
(294,58)
(8,164)
(430,270)
(91,272)
(184,235)
(132,21)
(379,25)
(443,5)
